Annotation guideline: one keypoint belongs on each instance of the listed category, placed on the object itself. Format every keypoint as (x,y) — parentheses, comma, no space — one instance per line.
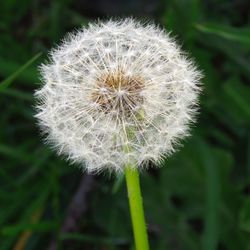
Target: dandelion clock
(115,96)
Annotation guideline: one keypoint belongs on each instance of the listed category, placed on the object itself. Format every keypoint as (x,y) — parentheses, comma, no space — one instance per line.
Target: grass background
(198,200)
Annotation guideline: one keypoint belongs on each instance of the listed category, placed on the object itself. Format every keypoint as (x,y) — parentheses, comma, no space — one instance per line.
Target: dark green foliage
(198,200)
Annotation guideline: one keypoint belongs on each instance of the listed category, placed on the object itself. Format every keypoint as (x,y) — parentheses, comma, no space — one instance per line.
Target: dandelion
(110,78)
(117,94)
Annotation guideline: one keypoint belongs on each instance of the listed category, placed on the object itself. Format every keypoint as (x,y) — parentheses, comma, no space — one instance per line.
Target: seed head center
(118,93)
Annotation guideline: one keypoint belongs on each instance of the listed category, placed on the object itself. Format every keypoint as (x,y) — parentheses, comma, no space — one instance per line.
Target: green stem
(136,208)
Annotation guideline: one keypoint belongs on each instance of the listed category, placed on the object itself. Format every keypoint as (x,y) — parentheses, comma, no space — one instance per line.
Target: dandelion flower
(113,86)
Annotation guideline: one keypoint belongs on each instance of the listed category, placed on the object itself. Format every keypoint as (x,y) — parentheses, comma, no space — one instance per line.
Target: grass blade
(6,83)
(229,33)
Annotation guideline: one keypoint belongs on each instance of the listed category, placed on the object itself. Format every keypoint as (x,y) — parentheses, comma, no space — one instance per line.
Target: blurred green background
(198,200)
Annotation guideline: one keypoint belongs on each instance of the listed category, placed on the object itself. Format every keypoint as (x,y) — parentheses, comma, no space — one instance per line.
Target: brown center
(118,93)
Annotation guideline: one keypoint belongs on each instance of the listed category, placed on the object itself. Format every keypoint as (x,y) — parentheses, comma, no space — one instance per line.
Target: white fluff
(95,123)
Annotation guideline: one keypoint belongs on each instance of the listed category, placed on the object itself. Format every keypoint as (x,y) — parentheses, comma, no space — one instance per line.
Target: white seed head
(117,91)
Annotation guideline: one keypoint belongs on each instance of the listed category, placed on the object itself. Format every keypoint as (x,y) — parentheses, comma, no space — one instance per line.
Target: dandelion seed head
(115,85)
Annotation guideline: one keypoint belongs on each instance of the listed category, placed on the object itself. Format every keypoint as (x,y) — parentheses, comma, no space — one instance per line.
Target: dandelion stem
(136,208)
